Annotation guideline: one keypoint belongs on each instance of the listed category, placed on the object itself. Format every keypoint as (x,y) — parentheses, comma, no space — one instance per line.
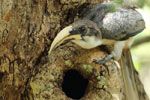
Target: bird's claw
(103,60)
(99,61)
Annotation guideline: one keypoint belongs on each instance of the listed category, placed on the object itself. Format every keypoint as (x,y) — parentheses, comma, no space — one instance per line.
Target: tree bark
(27,29)
(141,40)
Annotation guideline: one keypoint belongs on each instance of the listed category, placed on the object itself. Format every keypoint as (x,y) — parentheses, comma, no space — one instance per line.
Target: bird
(103,26)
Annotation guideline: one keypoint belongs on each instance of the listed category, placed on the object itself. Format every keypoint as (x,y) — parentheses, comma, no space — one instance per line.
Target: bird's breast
(88,42)
(108,42)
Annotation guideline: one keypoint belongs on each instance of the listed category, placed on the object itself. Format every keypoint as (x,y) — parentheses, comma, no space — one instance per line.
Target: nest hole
(74,84)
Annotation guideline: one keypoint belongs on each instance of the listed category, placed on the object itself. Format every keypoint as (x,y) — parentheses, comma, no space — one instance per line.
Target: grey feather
(118,25)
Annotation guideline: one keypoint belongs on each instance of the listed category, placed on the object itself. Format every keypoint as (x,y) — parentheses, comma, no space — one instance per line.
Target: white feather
(88,42)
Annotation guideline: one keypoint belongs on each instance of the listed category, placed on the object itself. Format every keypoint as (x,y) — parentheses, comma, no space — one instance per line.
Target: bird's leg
(105,59)
(116,53)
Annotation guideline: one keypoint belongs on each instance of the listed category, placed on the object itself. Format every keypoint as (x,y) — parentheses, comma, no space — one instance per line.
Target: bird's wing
(118,24)
(122,24)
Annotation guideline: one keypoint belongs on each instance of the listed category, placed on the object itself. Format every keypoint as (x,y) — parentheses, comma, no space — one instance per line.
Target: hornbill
(108,24)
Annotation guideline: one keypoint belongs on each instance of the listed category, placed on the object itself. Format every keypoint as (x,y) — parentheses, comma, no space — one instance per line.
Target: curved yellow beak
(62,36)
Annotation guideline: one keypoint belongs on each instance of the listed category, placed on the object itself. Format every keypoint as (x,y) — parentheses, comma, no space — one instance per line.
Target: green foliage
(119,1)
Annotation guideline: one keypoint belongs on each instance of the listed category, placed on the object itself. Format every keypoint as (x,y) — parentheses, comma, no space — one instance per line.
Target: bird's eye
(82,29)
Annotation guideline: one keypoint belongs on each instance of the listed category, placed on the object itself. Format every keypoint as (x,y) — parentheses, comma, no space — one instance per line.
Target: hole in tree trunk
(74,85)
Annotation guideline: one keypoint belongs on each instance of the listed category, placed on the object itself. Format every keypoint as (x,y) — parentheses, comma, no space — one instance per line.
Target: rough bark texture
(27,28)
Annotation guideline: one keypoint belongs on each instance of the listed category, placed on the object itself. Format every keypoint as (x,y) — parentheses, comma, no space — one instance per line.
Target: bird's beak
(63,35)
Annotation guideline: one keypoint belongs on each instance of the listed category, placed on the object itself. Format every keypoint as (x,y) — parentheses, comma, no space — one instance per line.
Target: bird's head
(83,32)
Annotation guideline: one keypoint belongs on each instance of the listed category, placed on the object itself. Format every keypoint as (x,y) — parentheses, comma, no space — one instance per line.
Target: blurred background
(141,47)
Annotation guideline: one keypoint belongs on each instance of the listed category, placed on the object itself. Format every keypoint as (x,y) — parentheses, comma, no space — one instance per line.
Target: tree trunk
(27,28)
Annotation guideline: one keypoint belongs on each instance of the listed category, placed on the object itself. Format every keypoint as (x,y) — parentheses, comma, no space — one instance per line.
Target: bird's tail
(128,75)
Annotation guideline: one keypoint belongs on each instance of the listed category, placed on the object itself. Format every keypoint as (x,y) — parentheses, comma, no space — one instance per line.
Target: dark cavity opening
(74,84)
